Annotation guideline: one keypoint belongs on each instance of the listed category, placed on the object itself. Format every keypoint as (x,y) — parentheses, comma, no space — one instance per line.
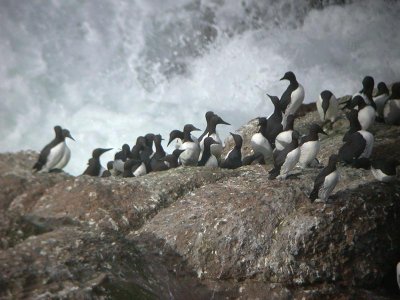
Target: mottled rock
(198,233)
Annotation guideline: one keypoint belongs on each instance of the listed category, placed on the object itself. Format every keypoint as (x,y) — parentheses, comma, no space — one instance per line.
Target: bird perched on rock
(285,137)
(380,99)
(56,154)
(176,135)
(310,145)
(292,97)
(171,160)
(327,106)
(259,141)
(384,170)
(366,113)
(233,159)
(208,117)
(285,160)
(216,148)
(191,154)
(391,110)
(355,126)
(325,181)
(94,166)
(207,158)
(120,158)
(274,121)
(358,145)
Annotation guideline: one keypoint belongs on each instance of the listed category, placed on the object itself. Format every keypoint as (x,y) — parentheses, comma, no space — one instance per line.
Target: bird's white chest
(369,139)
(283,139)
(296,99)
(366,117)
(55,155)
(308,151)
(261,145)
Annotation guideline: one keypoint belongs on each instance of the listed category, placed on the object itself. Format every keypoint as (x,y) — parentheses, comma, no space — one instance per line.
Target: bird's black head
(149,138)
(208,115)
(368,84)
(208,141)
(99,151)
(357,101)
(125,147)
(289,76)
(274,99)
(395,91)
(58,131)
(175,134)
(189,128)
(66,134)
(177,152)
(382,89)
(110,165)
(317,129)
(237,139)
(158,138)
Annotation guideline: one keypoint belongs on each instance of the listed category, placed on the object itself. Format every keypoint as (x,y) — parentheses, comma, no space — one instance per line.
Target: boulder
(196,233)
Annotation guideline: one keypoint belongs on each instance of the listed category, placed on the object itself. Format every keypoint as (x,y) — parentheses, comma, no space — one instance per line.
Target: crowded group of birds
(276,140)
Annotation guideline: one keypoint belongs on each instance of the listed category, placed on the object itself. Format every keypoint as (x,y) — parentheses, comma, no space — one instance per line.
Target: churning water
(110,70)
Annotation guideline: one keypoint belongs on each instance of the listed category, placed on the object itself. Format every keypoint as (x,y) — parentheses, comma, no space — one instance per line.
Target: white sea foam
(112,70)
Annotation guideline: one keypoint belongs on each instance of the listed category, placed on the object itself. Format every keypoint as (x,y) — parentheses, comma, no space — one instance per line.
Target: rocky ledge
(198,233)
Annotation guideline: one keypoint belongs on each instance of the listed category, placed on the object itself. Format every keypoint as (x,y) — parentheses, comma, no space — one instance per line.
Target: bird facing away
(327,106)
(207,158)
(391,110)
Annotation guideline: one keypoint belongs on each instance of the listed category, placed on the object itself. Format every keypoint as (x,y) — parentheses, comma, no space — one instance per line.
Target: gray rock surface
(198,233)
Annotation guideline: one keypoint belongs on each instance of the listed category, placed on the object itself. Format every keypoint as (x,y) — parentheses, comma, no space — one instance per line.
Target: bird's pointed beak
(223,122)
(169,142)
(69,136)
(196,129)
(105,150)
(283,78)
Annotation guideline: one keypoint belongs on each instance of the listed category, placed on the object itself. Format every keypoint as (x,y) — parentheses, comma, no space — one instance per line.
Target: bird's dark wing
(43,155)
(318,182)
(286,98)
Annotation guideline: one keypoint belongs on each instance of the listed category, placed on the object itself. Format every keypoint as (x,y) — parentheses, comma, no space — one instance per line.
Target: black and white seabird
(120,158)
(285,137)
(216,148)
(94,166)
(139,146)
(326,181)
(170,161)
(310,145)
(355,126)
(384,170)
(391,110)
(176,135)
(292,97)
(259,142)
(358,145)
(380,99)
(366,113)
(156,163)
(208,117)
(274,121)
(130,166)
(147,152)
(54,155)
(327,106)
(207,158)
(233,159)
(67,152)
(367,90)
(191,154)
(286,159)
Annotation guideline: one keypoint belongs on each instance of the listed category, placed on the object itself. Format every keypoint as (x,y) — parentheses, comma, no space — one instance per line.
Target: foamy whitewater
(111,70)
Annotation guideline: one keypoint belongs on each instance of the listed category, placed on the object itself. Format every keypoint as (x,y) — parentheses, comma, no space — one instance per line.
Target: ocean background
(110,70)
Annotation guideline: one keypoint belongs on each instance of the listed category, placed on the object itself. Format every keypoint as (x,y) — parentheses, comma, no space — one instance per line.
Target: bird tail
(314,195)
(273,173)
(37,167)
